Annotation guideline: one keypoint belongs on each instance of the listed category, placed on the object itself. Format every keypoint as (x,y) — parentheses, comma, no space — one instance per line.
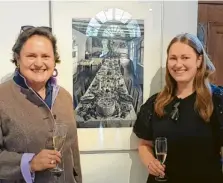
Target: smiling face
(182,63)
(36,60)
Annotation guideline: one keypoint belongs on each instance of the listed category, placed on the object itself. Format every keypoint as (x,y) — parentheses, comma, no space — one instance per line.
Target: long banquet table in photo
(106,103)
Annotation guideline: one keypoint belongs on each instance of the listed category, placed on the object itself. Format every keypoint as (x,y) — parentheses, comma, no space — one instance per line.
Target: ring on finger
(149,164)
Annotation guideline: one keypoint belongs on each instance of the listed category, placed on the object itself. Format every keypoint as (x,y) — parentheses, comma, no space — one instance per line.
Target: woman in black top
(188,112)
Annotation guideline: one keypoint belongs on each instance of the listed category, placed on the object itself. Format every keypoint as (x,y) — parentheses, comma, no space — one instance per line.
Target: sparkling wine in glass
(161,153)
(59,137)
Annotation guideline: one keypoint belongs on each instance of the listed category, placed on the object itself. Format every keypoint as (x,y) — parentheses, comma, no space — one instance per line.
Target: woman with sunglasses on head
(188,113)
(30,106)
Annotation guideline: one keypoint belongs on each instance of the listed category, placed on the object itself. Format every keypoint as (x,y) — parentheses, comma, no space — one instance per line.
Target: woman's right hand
(156,168)
(46,159)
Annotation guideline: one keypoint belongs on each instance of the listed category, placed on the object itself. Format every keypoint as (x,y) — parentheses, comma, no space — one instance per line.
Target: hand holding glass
(59,136)
(161,153)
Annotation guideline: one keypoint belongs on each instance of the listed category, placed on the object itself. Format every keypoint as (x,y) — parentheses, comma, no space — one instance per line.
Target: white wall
(13,15)
(113,167)
(179,17)
(107,155)
(81,43)
(89,44)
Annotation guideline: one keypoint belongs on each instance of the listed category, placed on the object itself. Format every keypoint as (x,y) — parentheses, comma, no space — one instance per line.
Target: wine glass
(59,137)
(161,153)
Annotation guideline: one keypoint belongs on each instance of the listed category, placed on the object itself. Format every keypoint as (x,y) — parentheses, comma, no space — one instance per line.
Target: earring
(55,72)
(17,67)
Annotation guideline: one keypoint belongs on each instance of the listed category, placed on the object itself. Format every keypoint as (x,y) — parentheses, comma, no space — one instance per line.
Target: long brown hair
(203,104)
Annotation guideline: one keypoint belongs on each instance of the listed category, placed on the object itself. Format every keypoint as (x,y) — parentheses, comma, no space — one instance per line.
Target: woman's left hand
(46,159)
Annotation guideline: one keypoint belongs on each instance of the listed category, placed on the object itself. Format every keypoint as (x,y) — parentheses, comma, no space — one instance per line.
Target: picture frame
(112,138)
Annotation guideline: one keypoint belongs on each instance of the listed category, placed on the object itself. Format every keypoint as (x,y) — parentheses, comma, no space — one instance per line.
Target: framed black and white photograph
(108,69)
(111,58)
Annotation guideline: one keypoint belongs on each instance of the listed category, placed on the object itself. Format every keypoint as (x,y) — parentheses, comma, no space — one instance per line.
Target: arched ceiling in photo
(112,23)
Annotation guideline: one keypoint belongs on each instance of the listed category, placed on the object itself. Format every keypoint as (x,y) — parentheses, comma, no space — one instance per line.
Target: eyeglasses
(27,27)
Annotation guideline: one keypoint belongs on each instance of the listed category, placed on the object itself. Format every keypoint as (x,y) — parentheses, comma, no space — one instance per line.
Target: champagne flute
(59,136)
(161,153)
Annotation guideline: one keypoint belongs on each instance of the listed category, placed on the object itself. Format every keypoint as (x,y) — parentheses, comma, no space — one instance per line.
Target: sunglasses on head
(27,27)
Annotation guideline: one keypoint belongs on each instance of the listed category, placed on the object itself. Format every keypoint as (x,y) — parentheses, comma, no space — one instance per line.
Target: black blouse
(193,145)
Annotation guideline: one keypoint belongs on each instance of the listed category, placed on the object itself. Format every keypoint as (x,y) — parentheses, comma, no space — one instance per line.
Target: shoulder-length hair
(201,84)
